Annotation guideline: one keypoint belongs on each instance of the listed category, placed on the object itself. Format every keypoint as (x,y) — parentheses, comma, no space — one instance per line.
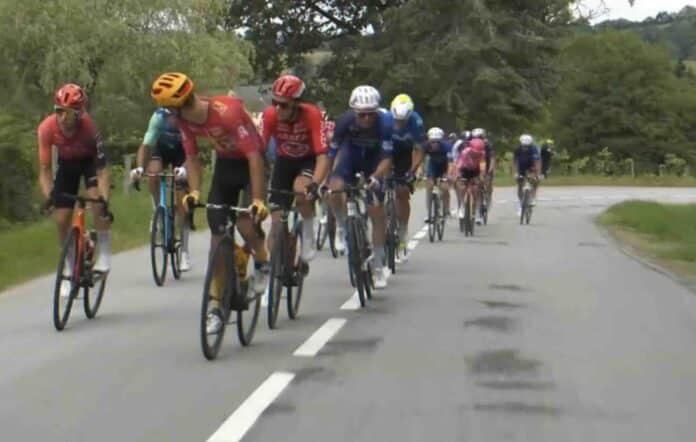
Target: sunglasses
(282,104)
(64,110)
(365,115)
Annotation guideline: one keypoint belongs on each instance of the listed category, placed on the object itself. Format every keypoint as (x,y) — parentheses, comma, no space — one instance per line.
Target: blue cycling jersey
(439,152)
(409,135)
(161,132)
(525,157)
(360,144)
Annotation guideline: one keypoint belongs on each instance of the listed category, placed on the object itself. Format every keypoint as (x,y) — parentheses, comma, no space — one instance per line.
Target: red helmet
(288,86)
(70,96)
(477,145)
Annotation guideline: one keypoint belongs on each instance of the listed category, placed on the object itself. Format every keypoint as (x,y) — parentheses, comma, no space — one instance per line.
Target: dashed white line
(239,422)
(420,235)
(320,337)
(353,303)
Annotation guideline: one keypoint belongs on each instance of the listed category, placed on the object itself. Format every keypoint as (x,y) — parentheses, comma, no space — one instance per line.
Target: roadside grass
(31,250)
(663,232)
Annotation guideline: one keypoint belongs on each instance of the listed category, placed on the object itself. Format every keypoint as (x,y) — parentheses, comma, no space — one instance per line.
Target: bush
(17,171)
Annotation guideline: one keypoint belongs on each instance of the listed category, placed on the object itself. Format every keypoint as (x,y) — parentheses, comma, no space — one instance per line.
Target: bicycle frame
(79,224)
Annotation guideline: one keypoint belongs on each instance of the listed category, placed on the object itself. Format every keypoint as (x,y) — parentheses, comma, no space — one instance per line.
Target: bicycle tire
(275,285)
(525,203)
(528,215)
(91,306)
(60,318)
(368,280)
(250,316)
(392,239)
(432,214)
(472,211)
(224,253)
(293,299)
(441,222)
(467,213)
(354,260)
(321,236)
(159,270)
(175,250)
(331,232)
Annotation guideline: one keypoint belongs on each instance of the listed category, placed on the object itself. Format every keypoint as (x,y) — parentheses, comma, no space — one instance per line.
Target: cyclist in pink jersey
(468,167)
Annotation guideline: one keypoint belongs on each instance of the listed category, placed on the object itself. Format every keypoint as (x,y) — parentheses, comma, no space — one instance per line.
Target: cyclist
(468,168)
(527,161)
(162,142)
(239,166)
(547,153)
(80,155)
(301,162)
(440,157)
(490,164)
(363,143)
(408,137)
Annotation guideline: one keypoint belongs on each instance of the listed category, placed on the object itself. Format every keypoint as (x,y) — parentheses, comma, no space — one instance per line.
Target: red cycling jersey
(85,143)
(299,139)
(328,130)
(228,126)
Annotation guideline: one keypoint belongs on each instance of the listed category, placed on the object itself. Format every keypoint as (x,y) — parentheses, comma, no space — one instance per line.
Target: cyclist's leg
(101,225)
(376,213)
(153,183)
(283,175)
(445,191)
(306,206)
(177,159)
(429,188)
(402,165)
(67,181)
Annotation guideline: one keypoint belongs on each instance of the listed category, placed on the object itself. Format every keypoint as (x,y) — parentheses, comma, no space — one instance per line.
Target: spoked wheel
(322,231)
(331,231)
(368,280)
(249,317)
(218,288)
(158,247)
(92,299)
(468,228)
(528,214)
(294,294)
(441,222)
(67,280)
(524,208)
(175,251)
(275,286)
(355,261)
(432,217)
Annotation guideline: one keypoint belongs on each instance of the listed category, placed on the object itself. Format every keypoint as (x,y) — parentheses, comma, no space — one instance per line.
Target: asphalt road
(545,332)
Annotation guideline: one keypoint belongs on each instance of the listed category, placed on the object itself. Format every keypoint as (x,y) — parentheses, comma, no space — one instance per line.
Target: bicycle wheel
(467,213)
(528,214)
(355,260)
(275,286)
(472,211)
(221,277)
(392,239)
(92,302)
(368,281)
(294,296)
(525,204)
(432,217)
(249,317)
(68,259)
(175,250)
(441,222)
(331,232)
(158,247)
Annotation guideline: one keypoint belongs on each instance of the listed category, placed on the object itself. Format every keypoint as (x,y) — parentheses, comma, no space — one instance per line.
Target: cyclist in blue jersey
(162,144)
(439,153)
(362,143)
(408,136)
(527,162)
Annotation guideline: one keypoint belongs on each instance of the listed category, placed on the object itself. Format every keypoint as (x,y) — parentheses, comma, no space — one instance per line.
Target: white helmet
(478,133)
(526,140)
(402,107)
(435,134)
(364,98)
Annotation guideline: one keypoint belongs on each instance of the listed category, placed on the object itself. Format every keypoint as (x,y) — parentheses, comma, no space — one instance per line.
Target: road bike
(467,222)
(436,212)
(526,205)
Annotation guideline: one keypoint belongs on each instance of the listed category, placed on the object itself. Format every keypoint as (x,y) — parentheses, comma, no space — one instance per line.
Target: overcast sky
(641,9)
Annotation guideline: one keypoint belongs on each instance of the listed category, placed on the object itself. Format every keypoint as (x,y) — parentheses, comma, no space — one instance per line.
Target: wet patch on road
(520,408)
(315,374)
(279,408)
(496,323)
(505,362)
(507,287)
(517,385)
(501,305)
(352,345)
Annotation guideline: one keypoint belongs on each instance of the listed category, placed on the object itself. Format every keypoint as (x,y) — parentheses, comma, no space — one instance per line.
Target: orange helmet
(288,86)
(171,89)
(70,96)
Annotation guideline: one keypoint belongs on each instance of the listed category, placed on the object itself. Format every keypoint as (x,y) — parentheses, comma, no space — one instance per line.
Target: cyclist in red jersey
(301,162)
(239,165)
(80,155)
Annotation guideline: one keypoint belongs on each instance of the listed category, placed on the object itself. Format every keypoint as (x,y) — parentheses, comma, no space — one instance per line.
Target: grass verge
(31,250)
(665,233)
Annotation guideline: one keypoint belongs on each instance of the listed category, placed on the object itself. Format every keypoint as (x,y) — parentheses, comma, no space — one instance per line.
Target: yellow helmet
(402,107)
(171,89)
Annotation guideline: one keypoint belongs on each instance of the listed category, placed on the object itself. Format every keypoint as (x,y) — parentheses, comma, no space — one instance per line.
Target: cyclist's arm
(45,166)
(103,175)
(417,157)
(319,144)
(383,168)
(491,164)
(142,156)
(154,130)
(194,170)
(257,176)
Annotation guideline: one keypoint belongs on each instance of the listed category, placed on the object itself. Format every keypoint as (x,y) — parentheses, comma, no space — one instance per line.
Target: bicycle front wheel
(175,249)
(467,213)
(275,286)
(525,206)
(294,295)
(220,283)
(355,260)
(432,217)
(158,246)
(67,280)
(249,317)
(92,299)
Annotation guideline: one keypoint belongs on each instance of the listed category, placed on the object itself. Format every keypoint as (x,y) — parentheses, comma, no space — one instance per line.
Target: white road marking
(412,245)
(244,417)
(353,303)
(420,235)
(320,337)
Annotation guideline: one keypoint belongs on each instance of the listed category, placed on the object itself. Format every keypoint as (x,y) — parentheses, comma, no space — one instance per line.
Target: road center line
(353,303)
(320,337)
(244,417)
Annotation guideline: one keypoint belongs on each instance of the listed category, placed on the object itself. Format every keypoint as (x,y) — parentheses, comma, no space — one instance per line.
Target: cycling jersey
(469,159)
(439,152)
(162,131)
(228,126)
(328,128)
(525,157)
(85,143)
(298,139)
(410,134)
(361,148)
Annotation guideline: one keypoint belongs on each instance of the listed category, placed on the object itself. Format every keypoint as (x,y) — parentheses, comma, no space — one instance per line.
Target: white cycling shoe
(185,264)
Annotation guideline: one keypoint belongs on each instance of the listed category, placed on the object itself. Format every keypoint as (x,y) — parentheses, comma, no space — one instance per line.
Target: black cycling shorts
(68,180)
(230,177)
(167,156)
(285,171)
(469,174)
(402,161)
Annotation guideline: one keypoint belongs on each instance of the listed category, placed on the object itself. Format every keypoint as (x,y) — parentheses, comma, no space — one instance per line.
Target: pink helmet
(70,96)
(478,145)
